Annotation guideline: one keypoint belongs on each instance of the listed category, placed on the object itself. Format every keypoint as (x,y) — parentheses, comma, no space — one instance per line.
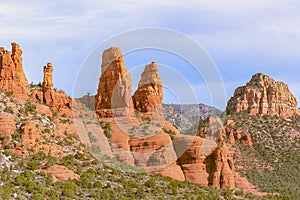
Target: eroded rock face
(148,97)
(115,86)
(30,135)
(223,174)
(61,173)
(7,124)
(47,82)
(264,96)
(12,77)
(55,99)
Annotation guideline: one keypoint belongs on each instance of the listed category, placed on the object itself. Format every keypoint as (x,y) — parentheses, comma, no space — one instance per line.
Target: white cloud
(235,32)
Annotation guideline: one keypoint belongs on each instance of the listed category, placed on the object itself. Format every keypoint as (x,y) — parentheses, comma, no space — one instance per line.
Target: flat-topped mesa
(264,96)
(12,77)
(148,97)
(114,90)
(47,82)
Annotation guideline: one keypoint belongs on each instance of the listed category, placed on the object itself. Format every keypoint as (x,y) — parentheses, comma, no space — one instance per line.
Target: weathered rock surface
(55,99)
(115,86)
(47,82)
(7,124)
(207,160)
(12,77)
(264,96)
(188,150)
(61,173)
(223,174)
(30,135)
(148,97)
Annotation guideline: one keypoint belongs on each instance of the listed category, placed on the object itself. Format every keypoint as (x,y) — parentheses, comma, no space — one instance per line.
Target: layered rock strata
(149,95)
(264,96)
(114,90)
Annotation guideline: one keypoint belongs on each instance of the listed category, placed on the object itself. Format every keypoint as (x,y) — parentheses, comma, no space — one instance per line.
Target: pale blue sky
(242,37)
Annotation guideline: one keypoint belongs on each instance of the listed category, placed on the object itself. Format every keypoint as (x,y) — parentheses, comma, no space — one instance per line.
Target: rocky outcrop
(223,174)
(57,100)
(30,135)
(148,97)
(188,149)
(114,90)
(61,173)
(12,77)
(215,169)
(7,124)
(47,82)
(263,96)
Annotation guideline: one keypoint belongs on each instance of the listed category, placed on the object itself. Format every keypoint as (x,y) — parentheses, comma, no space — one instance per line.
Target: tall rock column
(114,90)
(148,97)
(16,55)
(47,82)
(12,77)
(58,100)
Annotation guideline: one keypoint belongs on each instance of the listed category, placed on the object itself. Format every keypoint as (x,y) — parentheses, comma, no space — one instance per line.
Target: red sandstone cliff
(264,96)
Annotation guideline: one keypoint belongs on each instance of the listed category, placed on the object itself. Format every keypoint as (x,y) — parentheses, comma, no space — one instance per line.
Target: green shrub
(9,93)
(68,193)
(9,109)
(107,133)
(97,184)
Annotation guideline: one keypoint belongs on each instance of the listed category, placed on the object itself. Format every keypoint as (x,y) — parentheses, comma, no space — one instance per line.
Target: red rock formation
(114,89)
(61,173)
(57,100)
(12,77)
(30,135)
(188,150)
(264,96)
(149,95)
(223,174)
(7,124)
(47,83)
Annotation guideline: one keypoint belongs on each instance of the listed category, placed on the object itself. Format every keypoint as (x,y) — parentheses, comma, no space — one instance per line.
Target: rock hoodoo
(115,86)
(264,96)
(12,77)
(47,83)
(57,100)
(149,95)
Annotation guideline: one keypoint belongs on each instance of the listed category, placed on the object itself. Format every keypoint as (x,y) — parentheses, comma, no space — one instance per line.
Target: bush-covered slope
(273,162)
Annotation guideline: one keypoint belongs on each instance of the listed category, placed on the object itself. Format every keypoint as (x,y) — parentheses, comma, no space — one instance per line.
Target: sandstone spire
(57,100)
(16,55)
(47,82)
(12,77)
(149,95)
(115,86)
(265,96)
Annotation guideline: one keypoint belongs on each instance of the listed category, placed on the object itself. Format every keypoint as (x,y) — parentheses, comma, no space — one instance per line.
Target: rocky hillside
(272,160)
(53,147)
(140,135)
(184,116)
